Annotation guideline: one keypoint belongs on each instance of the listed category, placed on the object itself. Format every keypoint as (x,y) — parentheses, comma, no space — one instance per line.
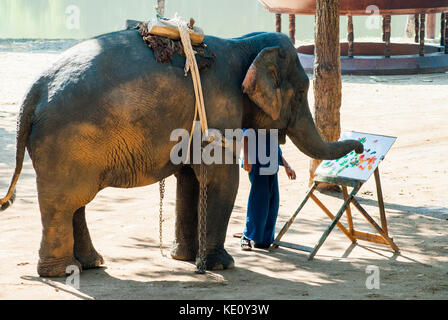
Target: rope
(191,65)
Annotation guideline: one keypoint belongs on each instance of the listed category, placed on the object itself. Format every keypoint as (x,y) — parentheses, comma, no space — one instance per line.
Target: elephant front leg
(222,189)
(185,246)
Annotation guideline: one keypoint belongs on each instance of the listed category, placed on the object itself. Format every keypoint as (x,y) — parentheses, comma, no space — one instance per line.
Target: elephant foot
(218,260)
(183,252)
(57,268)
(90,261)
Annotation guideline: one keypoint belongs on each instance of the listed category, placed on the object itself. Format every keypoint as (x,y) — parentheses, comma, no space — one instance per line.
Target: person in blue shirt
(264,197)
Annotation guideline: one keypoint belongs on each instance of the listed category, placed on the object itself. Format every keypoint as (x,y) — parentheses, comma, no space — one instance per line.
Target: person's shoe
(262,246)
(245,244)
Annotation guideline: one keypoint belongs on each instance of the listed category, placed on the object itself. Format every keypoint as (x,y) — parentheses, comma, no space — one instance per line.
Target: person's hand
(290,173)
(247,167)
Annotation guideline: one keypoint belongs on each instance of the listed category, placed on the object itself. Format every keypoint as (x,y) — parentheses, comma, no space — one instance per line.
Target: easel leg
(375,225)
(335,222)
(351,228)
(291,220)
(331,216)
(379,192)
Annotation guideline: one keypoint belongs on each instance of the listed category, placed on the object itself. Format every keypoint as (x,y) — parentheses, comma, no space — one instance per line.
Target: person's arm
(246,165)
(289,171)
(280,157)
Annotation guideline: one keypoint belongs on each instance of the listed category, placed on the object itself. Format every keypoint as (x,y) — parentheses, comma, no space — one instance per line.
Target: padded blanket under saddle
(164,48)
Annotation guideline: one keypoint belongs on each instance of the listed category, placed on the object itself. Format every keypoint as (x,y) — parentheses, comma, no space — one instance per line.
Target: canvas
(358,166)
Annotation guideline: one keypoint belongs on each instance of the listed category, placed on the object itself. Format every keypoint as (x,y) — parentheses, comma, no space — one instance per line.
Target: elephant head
(278,85)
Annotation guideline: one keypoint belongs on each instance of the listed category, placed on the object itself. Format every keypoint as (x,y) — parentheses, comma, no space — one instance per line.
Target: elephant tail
(24,124)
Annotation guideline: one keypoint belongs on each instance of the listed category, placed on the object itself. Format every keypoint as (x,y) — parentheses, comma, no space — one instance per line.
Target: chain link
(162,196)
(202,220)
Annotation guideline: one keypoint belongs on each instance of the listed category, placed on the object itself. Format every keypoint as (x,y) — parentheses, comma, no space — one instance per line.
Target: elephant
(102,114)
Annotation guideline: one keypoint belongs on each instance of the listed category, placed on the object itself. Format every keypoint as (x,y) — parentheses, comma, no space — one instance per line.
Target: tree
(327,75)
(161,7)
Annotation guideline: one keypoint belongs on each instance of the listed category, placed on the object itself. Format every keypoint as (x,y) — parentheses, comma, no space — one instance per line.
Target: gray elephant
(102,116)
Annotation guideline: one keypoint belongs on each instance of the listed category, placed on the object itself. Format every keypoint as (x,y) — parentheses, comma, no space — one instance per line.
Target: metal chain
(162,196)
(202,221)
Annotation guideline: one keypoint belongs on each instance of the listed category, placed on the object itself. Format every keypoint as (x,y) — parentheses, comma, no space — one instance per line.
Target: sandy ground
(124,223)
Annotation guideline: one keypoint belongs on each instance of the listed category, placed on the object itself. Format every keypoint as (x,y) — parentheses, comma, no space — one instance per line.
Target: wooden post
(442,29)
(327,76)
(292,28)
(387,29)
(351,37)
(446,32)
(422,34)
(278,22)
(417,28)
(431,26)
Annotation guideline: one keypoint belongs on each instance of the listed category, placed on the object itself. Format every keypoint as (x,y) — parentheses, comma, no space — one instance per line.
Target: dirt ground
(124,223)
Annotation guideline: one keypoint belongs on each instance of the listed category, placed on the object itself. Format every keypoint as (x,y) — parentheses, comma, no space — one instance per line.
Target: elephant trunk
(304,134)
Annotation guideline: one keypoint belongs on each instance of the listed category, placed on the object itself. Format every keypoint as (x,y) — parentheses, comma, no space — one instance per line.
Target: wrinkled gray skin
(102,117)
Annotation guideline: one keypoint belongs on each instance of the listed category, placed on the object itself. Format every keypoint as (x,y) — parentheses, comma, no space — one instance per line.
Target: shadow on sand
(328,273)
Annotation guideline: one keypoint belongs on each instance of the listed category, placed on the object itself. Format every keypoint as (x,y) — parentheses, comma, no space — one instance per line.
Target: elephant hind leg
(59,199)
(83,248)
(56,248)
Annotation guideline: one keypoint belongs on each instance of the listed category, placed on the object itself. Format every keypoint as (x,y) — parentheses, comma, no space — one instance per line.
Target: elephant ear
(263,81)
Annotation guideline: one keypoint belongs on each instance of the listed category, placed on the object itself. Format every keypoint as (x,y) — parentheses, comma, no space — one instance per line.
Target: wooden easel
(351,233)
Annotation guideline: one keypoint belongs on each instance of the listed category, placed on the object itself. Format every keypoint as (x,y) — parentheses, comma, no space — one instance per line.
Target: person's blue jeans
(262,208)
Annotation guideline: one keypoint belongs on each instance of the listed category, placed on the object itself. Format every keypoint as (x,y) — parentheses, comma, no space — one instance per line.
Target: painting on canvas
(358,166)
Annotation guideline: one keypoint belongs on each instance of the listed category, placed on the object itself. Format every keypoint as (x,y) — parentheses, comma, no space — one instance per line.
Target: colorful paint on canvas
(358,166)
